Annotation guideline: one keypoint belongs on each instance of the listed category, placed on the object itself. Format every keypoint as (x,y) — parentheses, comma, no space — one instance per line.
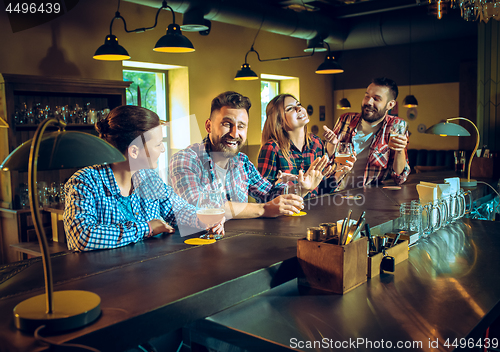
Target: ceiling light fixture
(471,10)
(343,103)
(193,21)
(172,42)
(329,66)
(315,44)
(410,101)
(246,74)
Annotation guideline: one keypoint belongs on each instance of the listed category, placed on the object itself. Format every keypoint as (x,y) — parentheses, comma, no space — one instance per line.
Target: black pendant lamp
(344,104)
(245,74)
(330,65)
(410,101)
(111,50)
(172,42)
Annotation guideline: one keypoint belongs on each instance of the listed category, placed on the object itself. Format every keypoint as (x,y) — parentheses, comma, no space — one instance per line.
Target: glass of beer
(343,152)
(398,129)
(210,210)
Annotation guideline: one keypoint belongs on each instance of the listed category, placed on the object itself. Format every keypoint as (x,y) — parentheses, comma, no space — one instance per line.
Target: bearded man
(217,163)
(376,155)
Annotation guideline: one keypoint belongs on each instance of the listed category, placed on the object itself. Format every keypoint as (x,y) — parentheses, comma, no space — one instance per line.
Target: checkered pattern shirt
(95,219)
(191,170)
(271,159)
(381,157)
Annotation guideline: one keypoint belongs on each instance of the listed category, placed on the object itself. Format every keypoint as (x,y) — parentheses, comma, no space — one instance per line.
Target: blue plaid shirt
(191,170)
(94,216)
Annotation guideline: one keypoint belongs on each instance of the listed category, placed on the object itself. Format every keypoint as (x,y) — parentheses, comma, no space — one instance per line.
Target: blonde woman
(287,147)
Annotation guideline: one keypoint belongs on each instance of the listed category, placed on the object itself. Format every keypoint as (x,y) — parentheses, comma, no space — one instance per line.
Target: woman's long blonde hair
(274,127)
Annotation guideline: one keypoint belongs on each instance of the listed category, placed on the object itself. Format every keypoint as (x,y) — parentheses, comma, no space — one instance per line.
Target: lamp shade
(410,101)
(447,129)
(329,66)
(245,74)
(344,104)
(174,41)
(64,150)
(111,50)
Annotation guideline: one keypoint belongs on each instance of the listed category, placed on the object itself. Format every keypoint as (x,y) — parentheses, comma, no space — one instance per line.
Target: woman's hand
(313,176)
(159,226)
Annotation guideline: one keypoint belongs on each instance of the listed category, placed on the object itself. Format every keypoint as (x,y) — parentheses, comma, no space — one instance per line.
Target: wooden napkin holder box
(332,267)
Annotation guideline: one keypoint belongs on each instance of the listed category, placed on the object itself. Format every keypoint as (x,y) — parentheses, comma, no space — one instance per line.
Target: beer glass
(210,210)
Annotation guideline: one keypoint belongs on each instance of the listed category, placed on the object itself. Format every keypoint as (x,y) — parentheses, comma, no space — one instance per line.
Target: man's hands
(330,137)
(285,204)
(398,143)
(218,229)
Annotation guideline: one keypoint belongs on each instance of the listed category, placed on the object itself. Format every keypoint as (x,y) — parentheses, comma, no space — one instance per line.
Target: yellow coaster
(301,213)
(351,197)
(198,241)
(392,187)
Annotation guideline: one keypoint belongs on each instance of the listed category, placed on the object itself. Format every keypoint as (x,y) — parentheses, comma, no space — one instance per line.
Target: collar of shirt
(205,155)
(145,184)
(108,179)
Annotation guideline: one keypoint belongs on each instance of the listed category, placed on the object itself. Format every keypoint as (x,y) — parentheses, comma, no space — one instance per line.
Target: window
(148,90)
(151,86)
(268,90)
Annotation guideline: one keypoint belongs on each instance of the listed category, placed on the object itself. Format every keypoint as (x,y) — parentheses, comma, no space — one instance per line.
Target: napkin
(454,183)
(443,189)
(427,194)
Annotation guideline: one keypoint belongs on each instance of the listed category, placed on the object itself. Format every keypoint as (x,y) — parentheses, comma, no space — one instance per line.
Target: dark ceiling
(344,24)
(337,9)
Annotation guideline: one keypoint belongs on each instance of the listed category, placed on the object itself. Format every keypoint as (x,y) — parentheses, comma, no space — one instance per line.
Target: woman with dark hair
(287,147)
(109,206)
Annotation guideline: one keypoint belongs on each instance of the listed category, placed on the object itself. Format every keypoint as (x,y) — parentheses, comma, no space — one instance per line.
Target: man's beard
(377,115)
(218,145)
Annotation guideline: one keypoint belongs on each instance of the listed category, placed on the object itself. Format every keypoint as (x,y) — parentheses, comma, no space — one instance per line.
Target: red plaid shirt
(381,158)
(191,170)
(271,159)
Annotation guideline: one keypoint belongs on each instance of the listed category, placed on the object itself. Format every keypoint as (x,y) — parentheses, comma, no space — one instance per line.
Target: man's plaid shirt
(381,157)
(191,170)
(271,159)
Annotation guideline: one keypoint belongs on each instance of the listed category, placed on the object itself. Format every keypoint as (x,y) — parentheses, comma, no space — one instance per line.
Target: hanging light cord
(278,58)
(409,54)
(143,29)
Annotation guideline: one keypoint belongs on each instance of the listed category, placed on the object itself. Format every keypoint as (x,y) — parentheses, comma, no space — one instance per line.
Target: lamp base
(468,183)
(72,309)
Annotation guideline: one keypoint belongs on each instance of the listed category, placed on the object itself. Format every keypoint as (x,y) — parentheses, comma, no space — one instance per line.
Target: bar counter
(162,285)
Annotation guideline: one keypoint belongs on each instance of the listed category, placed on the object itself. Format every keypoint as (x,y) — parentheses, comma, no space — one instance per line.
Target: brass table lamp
(60,310)
(452,129)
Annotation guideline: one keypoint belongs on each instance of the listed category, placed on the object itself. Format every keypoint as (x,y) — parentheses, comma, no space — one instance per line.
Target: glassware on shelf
(70,115)
(24,196)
